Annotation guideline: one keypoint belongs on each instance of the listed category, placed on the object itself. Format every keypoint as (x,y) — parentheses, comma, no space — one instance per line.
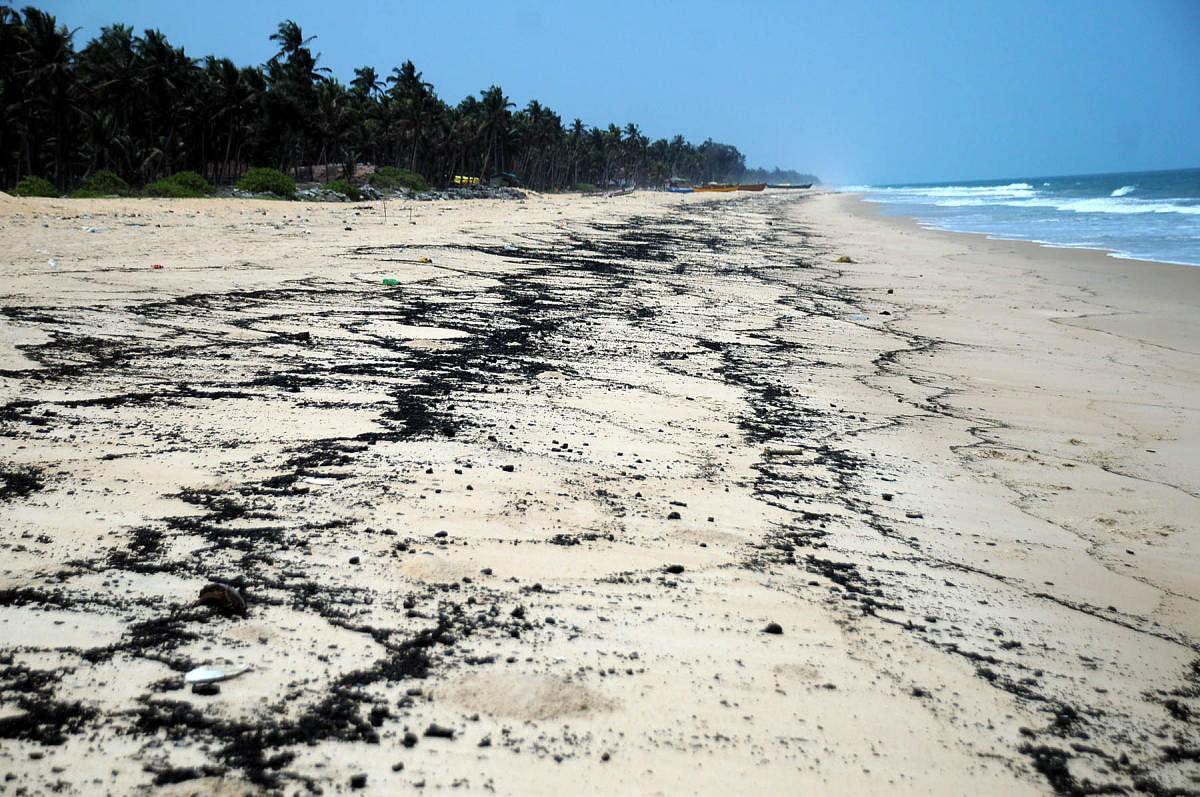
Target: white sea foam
(1123,190)
(1125,206)
(1092,205)
(1012,190)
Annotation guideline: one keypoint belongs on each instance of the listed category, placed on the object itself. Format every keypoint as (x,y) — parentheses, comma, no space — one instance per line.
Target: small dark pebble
(673,516)
(487,571)
(914,515)
(485,741)
(507,468)
(441,534)
(773,628)
(439,731)
(206,689)
(676,569)
(605,757)
(398,766)
(358,781)
(347,229)
(888,496)
(410,739)
(919,692)
(353,560)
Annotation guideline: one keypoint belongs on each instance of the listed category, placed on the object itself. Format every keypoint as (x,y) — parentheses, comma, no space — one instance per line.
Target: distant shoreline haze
(139,106)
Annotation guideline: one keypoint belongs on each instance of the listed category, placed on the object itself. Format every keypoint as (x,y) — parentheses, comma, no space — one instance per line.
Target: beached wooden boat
(789,185)
(752,187)
(680,190)
(713,187)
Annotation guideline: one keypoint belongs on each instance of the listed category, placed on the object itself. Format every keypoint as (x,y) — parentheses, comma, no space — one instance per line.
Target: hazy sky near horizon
(852,90)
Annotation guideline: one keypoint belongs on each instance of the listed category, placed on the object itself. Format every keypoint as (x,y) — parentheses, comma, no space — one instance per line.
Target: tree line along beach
(141,109)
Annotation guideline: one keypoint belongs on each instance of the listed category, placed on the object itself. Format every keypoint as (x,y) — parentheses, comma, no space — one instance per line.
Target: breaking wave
(1145,215)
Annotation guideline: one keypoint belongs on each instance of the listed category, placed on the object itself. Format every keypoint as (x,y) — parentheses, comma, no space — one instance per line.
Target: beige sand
(550,379)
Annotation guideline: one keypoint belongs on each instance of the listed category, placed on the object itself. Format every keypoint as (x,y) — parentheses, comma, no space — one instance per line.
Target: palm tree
(414,103)
(334,122)
(167,79)
(234,99)
(494,126)
(366,83)
(50,102)
(107,67)
(291,40)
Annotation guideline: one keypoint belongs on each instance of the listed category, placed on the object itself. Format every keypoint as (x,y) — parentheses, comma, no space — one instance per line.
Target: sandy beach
(641,495)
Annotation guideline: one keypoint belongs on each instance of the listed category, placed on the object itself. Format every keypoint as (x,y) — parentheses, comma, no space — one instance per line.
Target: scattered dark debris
(222,597)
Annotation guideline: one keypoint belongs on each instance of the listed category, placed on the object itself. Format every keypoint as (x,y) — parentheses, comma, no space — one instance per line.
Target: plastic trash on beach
(390,281)
(858,317)
(424,260)
(320,480)
(209,675)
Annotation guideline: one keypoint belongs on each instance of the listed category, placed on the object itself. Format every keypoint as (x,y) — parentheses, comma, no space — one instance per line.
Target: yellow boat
(711,187)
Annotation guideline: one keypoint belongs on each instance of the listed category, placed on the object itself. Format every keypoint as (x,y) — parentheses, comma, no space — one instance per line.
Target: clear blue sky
(853,91)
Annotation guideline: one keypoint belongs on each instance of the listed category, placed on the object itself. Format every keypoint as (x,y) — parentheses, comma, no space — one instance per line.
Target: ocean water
(1144,215)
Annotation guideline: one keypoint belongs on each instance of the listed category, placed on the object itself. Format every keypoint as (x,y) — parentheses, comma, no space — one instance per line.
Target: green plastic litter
(390,281)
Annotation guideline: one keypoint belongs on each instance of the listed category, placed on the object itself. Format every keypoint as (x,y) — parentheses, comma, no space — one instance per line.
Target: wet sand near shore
(512,525)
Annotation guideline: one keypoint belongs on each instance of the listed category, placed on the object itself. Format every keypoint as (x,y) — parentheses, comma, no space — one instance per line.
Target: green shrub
(34,186)
(390,178)
(101,184)
(180,185)
(166,188)
(342,186)
(261,180)
(585,188)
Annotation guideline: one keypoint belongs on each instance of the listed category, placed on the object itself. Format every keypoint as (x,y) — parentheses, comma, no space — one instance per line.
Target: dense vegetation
(142,109)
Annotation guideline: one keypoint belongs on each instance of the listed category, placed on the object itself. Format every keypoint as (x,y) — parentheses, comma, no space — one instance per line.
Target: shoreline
(1112,253)
(522,496)
(1166,280)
